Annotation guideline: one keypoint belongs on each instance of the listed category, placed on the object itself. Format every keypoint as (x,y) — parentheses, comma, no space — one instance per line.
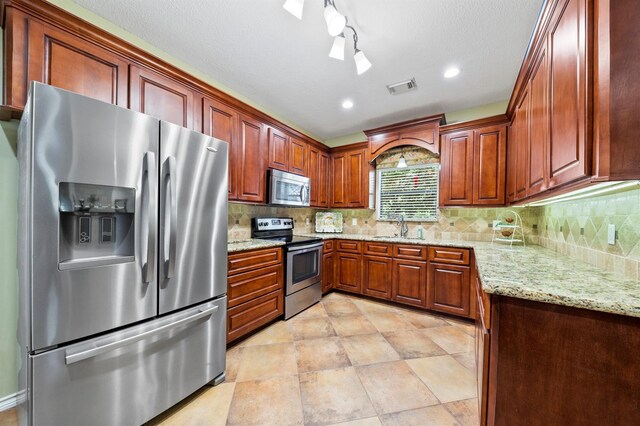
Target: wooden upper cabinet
(423,132)
(318,172)
(357,178)
(161,97)
(521,129)
(298,161)
(221,121)
(511,161)
(456,173)
(489,167)
(537,175)
(278,150)
(39,52)
(339,179)
(569,154)
(250,160)
(323,177)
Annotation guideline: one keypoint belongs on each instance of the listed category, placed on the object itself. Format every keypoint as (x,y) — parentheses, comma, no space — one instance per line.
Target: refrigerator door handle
(71,358)
(148,224)
(170,216)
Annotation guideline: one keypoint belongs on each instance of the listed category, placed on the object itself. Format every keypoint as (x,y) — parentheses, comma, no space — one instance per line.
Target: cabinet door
(511,161)
(161,97)
(298,157)
(356,178)
(537,173)
(409,282)
(456,174)
(490,156)
(62,60)
(250,160)
(328,272)
(339,188)
(569,93)
(521,124)
(482,362)
(376,280)
(323,179)
(314,176)
(221,122)
(449,289)
(349,272)
(278,150)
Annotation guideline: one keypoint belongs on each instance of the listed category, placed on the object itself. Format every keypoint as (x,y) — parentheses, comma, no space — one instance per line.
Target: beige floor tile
(465,412)
(393,386)
(369,306)
(445,377)
(321,354)
(333,396)
(389,321)
(315,311)
(466,326)
(350,325)
(429,416)
(369,349)
(341,307)
(467,359)
(311,328)
(210,406)
(371,421)
(274,401)
(233,363)
(262,362)
(451,338)
(423,320)
(9,417)
(275,333)
(413,344)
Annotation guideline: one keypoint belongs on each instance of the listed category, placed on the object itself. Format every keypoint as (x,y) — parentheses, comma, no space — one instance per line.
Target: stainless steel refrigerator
(123,261)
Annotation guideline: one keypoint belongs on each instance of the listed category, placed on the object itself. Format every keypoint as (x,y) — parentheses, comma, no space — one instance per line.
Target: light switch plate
(354,221)
(307,221)
(611,234)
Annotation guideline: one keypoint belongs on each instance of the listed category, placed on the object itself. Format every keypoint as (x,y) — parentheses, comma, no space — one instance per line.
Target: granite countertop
(532,273)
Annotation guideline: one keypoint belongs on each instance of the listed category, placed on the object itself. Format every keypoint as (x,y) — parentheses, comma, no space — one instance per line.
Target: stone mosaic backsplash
(239,221)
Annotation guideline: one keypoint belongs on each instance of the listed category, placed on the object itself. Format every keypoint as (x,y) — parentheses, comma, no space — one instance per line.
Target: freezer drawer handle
(93,352)
(148,222)
(170,215)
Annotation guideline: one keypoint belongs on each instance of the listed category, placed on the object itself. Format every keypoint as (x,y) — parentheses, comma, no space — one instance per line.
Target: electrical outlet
(496,223)
(307,221)
(611,234)
(354,221)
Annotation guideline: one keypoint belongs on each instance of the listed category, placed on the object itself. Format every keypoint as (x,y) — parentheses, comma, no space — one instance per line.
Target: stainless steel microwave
(288,189)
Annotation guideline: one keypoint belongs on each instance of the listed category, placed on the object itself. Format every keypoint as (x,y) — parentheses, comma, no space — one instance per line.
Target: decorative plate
(329,222)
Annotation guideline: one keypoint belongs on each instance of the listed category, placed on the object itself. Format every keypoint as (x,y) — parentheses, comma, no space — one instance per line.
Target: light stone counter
(539,274)
(252,244)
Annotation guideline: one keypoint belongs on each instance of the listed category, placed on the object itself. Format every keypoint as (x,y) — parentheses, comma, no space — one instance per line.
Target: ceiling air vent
(403,86)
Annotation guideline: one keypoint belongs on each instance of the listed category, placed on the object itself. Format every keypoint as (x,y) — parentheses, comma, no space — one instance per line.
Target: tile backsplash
(240,218)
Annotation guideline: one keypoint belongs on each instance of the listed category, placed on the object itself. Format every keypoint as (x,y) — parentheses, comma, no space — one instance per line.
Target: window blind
(411,192)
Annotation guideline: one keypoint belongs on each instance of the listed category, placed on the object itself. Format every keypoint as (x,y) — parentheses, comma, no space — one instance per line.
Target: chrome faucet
(404,229)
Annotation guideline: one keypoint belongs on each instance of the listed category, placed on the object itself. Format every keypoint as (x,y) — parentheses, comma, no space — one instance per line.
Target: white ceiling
(261,51)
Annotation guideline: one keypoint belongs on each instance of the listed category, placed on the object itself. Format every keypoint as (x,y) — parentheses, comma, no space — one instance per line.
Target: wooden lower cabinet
(328,272)
(255,290)
(348,272)
(409,282)
(376,276)
(482,353)
(449,289)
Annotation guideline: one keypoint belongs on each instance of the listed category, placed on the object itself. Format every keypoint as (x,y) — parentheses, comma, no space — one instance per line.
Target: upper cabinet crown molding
(422,132)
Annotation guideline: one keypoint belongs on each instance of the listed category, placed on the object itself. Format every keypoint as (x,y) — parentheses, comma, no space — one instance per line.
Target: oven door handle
(298,249)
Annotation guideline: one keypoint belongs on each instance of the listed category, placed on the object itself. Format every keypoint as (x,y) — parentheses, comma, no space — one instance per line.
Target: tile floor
(345,361)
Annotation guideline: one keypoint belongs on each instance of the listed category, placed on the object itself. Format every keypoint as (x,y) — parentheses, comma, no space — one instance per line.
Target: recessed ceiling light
(347,104)
(451,72)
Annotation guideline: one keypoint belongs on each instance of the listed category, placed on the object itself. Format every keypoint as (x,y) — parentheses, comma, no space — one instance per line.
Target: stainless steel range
(303,262)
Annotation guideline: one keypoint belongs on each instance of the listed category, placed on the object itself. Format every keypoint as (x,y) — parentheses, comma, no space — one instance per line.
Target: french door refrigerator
(123,261)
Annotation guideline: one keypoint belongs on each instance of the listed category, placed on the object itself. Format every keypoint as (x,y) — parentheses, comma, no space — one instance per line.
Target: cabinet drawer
(249,285)
(247,261)
(402,251)
(349,246)
(244,318)
(378,249)
(452,255)
(328,246)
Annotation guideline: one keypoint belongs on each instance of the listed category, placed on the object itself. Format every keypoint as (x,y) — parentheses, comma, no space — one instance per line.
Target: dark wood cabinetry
(298,157)
(349,172)
(521,128)
(422,132)
(278,150)
(376,280)
(409,282)
(536,177)
(255,290)
(221,121)
(449,289)
(319,177)
(474,163)
(328,268)
(348,272)
(482,350)
(250,160)
(161,97)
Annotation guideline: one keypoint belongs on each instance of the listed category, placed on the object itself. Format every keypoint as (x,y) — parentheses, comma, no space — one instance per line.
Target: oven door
(304,266)
(288,189)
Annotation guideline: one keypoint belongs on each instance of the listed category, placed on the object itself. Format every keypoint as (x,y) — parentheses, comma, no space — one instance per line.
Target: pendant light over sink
(336,25)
